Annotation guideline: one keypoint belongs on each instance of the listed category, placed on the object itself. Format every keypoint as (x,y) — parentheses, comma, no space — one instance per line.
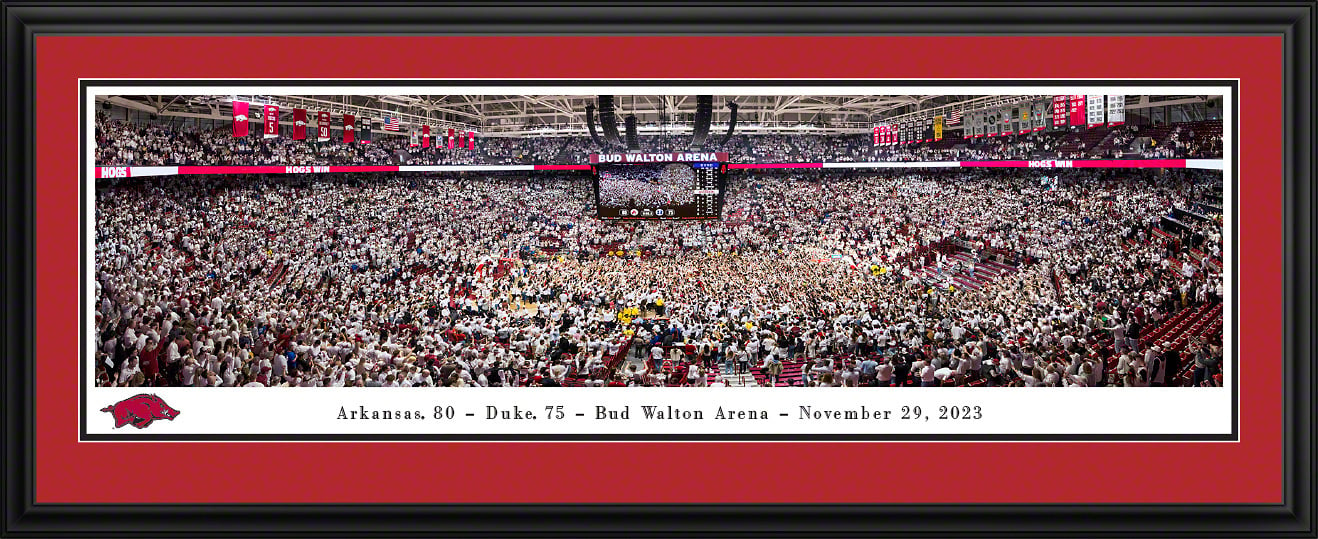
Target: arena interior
(859,241)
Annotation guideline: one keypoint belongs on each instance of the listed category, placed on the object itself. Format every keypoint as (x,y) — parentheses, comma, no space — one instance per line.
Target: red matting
(67,471)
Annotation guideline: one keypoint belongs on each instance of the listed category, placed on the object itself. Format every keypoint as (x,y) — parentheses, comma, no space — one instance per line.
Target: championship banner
(1025,126)
(938,127)
(323,126)
(271,115)
(239,119)
(1116,109)
(675,157)
(991,121)
(877,137)
(1077,110)
(1096,113)
(366,130)
(349,128)
(1059,110)
(415,138)
(451,139)
(299,124)
(1040,109)
(425,136)
(471,140)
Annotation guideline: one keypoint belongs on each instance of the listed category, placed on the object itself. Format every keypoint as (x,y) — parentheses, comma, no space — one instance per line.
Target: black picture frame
(23,21)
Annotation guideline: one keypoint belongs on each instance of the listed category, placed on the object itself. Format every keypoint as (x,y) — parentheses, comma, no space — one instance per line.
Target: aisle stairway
(985,272)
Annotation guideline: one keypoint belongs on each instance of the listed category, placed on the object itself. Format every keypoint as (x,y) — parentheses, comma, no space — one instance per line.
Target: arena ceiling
(531,115)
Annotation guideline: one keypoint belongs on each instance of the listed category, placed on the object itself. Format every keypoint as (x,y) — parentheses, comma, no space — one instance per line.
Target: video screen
(659,191)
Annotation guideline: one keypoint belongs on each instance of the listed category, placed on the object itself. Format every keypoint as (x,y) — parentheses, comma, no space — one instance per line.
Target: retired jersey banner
(1059,110)
(1116,109)
(349,128)
(366,130)
(239,118)
(938,127)
(425,136)
(1095,112)
(322,126)
(299,124)
(1077,110)
(271,115)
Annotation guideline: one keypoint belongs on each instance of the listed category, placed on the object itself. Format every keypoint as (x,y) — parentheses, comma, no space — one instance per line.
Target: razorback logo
(140,411)
(240,118)
(347,127)
(300,123)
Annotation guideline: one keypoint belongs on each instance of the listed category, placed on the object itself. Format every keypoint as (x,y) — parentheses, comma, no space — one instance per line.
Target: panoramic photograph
(766,241)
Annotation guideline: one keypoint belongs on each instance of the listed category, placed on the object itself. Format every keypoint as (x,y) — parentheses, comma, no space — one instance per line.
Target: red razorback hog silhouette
(140,411)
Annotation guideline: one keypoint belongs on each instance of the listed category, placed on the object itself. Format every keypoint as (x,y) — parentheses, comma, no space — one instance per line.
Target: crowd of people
(468,280)
(120,143)
(648,186)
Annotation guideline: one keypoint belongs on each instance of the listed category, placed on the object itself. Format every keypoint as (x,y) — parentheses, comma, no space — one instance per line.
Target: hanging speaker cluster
(732,123)
(609,120)
(704,115)
(590,124)
(632,143)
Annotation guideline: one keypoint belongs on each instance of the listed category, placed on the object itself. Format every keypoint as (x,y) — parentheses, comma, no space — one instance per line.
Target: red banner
(678,157)
(349,128)
(322,126)
(1059,110)
(239,119)
(450,139)
(471,140)
(1078,110)
(299,124)
(271,115)
(425,136)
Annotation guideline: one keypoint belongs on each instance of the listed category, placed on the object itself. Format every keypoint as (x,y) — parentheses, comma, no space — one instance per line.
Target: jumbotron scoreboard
(678,185)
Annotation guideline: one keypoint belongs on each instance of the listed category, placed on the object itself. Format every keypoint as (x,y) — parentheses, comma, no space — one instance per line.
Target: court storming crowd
(466,280)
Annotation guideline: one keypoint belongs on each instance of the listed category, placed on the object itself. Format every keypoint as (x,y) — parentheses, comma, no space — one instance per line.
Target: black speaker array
(704,114)
(609,120)
(732,123)
(632,144)
(590,124)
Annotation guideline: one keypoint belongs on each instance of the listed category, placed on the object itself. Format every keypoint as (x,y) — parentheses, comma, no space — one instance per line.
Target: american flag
(954,118)
(391,124)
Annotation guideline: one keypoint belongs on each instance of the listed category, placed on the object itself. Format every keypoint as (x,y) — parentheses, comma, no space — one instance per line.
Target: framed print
(434,269)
